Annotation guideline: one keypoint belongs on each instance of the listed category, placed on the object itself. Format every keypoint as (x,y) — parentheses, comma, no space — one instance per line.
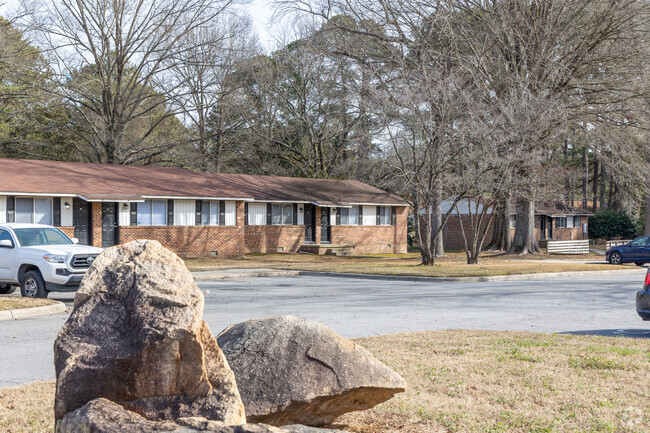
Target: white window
(24,210)
(256,214)
(159,212)
(349,216)
(560,222)
(210,213)
(369,215)
(214,213)
(231,213)
(184,212)
(384,215)
(152,213)
(282,214)
(34,210)
(576,221)
(513,221)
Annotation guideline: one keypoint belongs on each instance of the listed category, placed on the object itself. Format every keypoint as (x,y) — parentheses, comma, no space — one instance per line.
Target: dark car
(643,299)
(637,251)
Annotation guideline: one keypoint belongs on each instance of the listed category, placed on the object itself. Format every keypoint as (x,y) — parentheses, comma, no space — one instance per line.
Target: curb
(229,276)
(467,279)
(24,313)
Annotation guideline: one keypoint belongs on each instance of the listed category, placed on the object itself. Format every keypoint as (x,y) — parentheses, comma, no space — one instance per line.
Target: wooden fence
(610,244)
(568,247)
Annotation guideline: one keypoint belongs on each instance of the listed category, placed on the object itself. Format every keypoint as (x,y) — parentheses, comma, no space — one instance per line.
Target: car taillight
(647,280)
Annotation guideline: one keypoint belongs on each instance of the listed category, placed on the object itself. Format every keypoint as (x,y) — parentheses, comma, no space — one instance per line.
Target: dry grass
(453,265)
(15,303)
(469,381)
(28,408)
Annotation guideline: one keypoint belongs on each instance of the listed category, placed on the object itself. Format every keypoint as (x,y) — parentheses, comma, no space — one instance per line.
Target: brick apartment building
(552,222)
(198,214)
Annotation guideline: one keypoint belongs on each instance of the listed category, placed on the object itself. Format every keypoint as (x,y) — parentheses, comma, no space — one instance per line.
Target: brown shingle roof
(559,209)
(119,182)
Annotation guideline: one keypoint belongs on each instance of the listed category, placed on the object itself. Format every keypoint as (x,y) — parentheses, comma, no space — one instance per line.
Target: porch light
(67,205)
(126,205)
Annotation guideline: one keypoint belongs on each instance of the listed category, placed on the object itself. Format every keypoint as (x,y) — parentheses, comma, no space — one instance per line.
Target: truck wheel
(33,285)
(6,289)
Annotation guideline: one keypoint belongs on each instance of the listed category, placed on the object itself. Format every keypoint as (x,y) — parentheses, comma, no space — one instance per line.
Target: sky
(259,10)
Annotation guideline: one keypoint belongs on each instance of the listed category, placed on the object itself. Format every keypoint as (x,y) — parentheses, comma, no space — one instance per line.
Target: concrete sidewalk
(227,274)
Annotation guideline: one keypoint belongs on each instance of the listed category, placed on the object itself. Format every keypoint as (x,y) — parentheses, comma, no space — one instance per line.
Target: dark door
(81,221)
(109,224)
(310,222)
(550,228)
(325,228)
(542,227)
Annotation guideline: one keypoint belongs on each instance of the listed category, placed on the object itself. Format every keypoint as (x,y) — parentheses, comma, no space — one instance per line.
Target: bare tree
(108,59)
(207,84)
(568,53)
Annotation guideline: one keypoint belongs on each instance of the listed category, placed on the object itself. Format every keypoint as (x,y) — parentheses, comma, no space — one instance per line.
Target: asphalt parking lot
(599,304)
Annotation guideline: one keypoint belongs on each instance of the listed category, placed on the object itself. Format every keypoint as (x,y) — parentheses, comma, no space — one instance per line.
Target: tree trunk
(524,241)
(610,197)
(501,236)
(423,233)
(646,230)
(567,178)
(585,177)
(438,247)
(594,205)
(603,185)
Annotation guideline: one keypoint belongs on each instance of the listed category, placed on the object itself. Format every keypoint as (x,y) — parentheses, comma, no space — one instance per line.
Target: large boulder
(136,336)
(104,416)
(290,370)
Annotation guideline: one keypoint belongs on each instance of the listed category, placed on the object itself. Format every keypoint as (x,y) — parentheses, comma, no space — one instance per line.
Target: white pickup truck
(41,259)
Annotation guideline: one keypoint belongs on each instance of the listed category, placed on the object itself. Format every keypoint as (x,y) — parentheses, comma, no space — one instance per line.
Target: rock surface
(104,416)
(290,370)
(136,336)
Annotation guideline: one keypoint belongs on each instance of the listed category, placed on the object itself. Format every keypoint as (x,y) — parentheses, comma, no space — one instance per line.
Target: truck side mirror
(75,240)
(6,243)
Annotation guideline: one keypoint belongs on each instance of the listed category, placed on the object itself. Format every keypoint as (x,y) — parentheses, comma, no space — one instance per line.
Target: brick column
(96,212)
(317,224)
(239,213)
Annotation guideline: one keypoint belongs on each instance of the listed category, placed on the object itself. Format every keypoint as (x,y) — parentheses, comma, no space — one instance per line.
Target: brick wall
(227,241)
(452,234)
(453,238)
(69,231)
(374,239)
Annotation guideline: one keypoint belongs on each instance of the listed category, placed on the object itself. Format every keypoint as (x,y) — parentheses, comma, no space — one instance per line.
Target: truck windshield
(41,236)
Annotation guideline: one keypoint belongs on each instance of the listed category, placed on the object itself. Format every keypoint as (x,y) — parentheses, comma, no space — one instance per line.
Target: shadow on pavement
(629,332)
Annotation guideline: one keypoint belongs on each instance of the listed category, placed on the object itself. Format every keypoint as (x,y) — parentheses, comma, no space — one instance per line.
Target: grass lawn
(469,381)
(452,265)
(14,303)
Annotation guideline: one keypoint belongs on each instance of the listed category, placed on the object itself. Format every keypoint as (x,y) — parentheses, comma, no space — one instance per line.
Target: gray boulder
(104,416)
(136,336)
(290,370)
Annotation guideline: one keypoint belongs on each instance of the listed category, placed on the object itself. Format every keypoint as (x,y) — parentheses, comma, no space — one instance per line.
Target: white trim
(275,201)
(38,194)
(170,197)
(378,204)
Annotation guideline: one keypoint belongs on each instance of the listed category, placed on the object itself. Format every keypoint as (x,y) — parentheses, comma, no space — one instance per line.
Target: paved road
(601,304)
